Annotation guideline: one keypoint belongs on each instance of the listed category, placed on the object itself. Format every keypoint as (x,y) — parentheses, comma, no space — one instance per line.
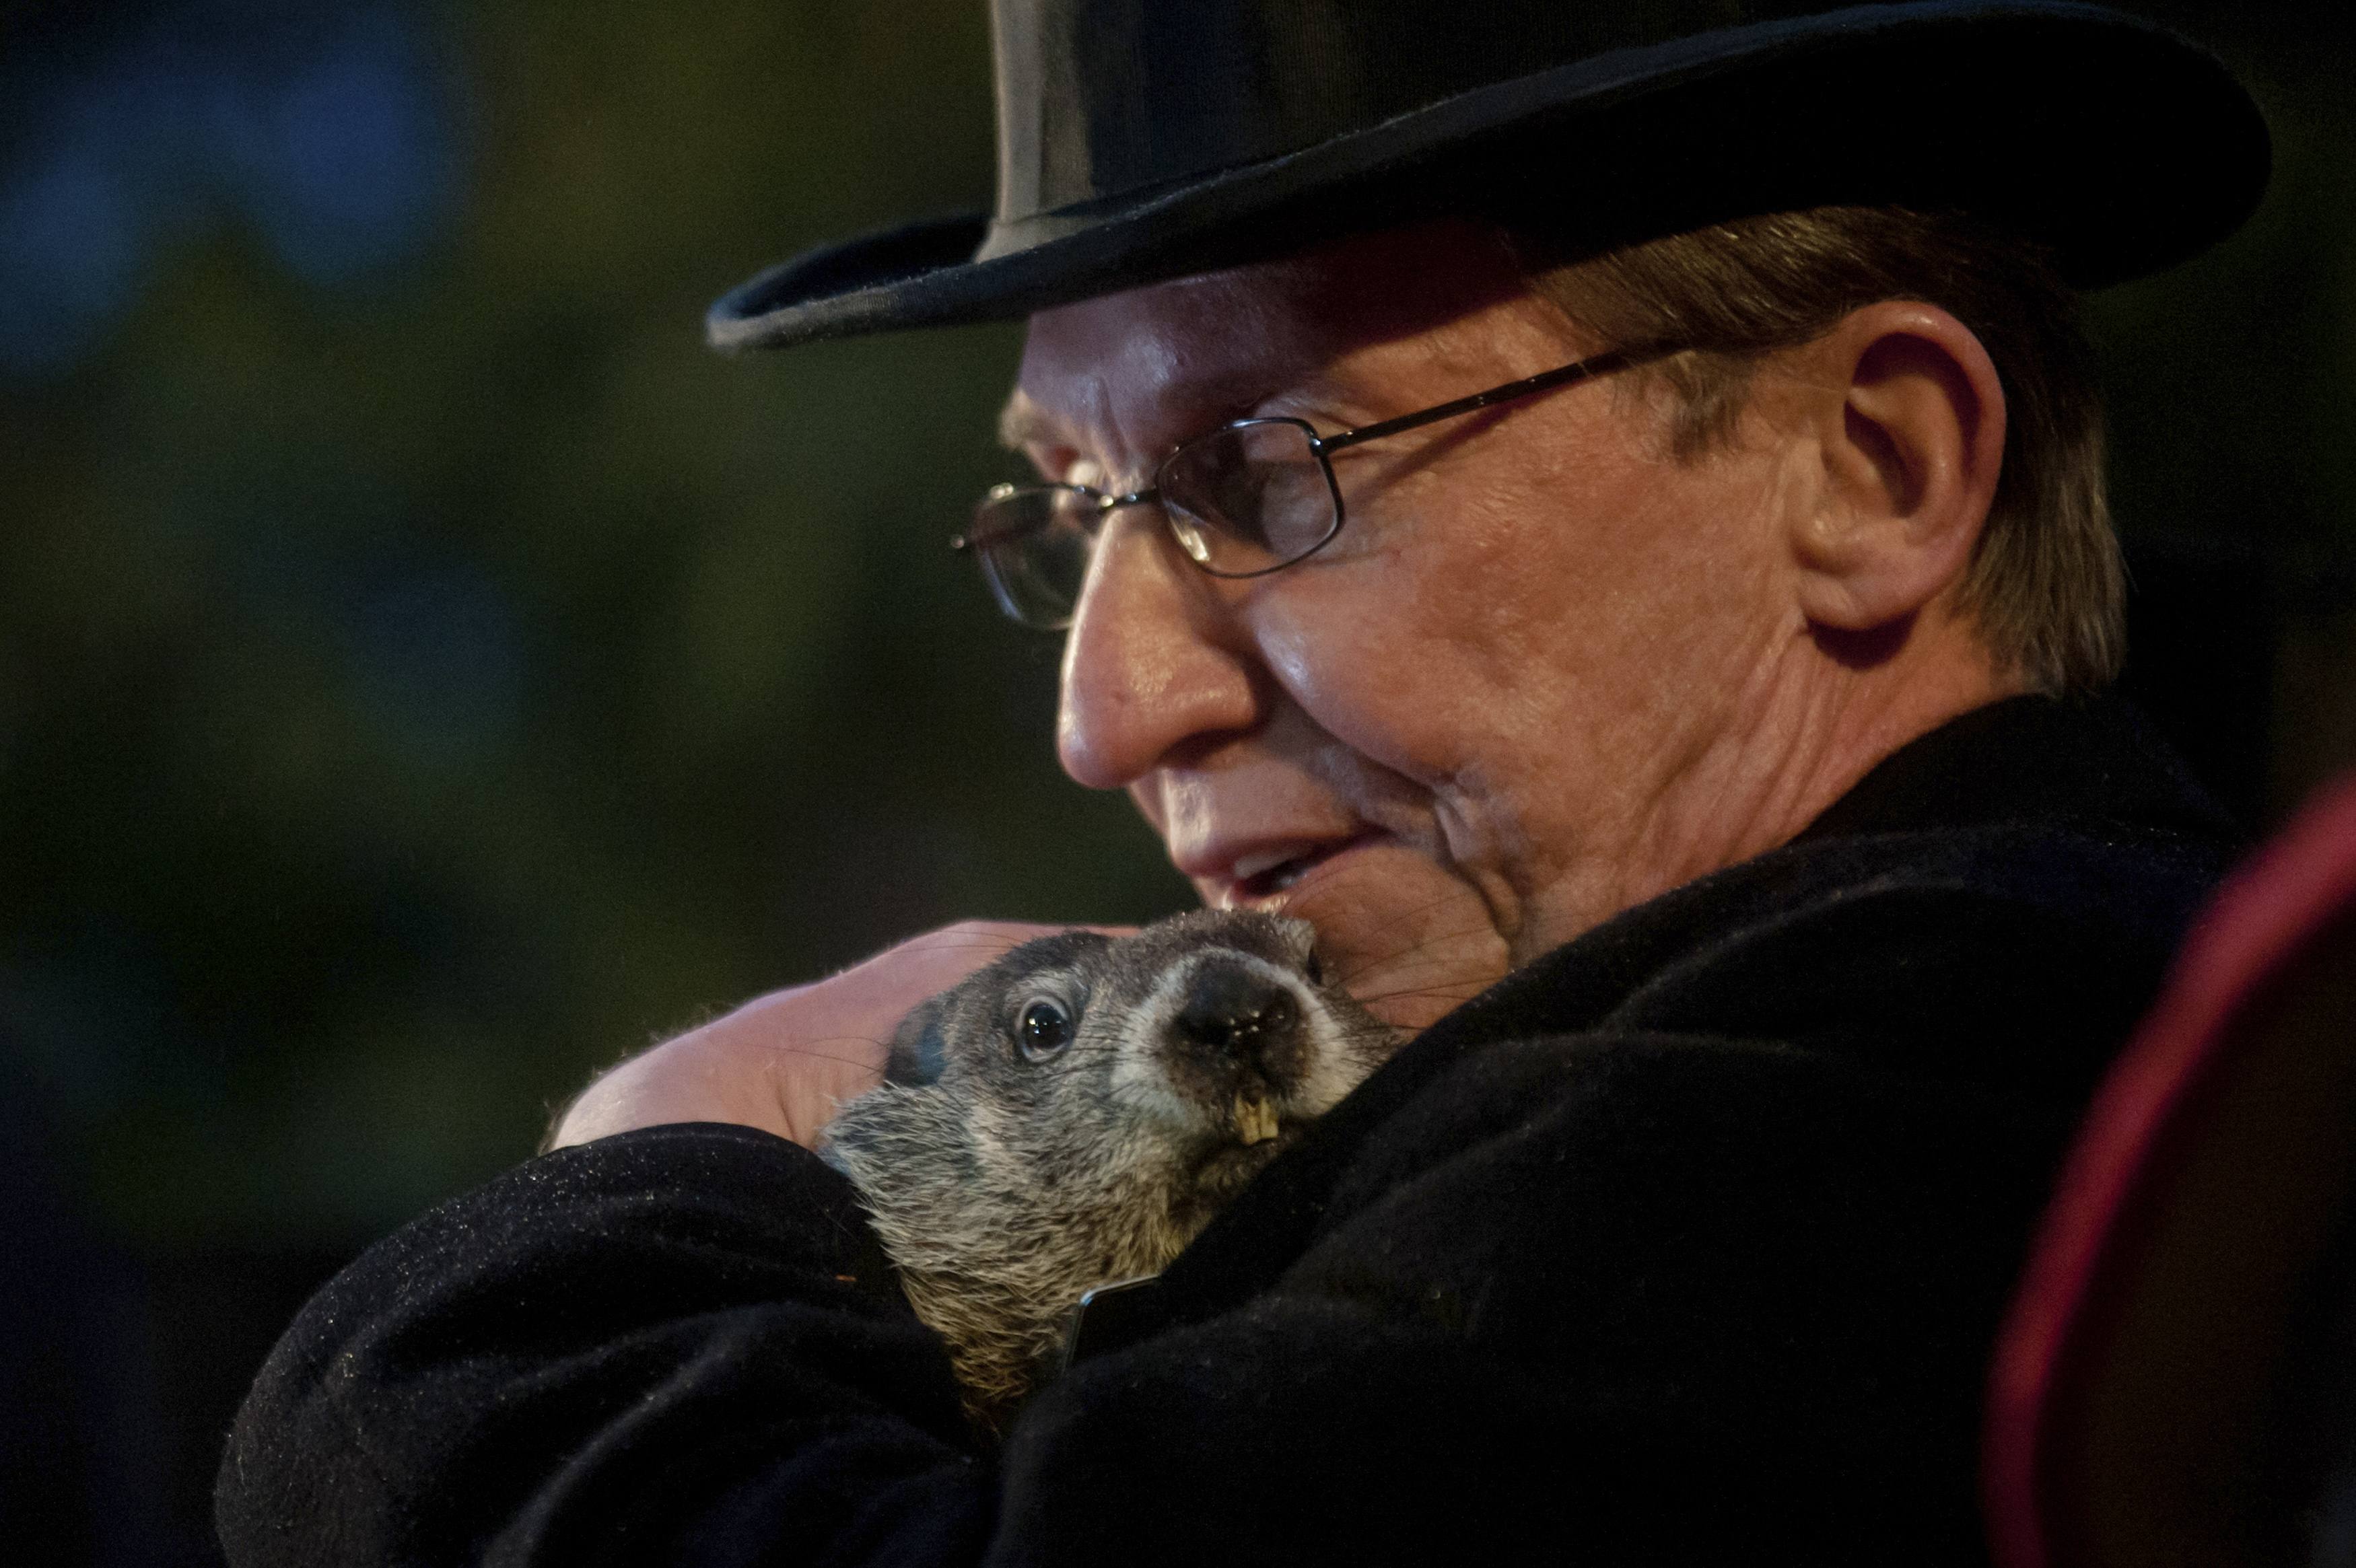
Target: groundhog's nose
(1235,1010)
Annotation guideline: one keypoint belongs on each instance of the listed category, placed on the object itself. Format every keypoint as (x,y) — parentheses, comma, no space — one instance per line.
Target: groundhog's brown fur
(1074,1114)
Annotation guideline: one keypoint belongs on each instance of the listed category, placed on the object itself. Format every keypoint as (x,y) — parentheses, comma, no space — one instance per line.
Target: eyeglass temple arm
(1562,376)
(1583,370)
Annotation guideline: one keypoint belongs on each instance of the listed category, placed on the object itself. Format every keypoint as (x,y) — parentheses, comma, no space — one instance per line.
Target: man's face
(1491,712)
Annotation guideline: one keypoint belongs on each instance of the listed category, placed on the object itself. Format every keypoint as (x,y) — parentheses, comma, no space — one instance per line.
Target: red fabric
(2153,1098)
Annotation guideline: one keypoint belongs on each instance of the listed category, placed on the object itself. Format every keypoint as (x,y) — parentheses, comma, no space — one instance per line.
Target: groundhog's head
(1077,1112)
(1156,1072)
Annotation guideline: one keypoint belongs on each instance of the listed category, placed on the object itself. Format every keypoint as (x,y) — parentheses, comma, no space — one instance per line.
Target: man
(1600,513)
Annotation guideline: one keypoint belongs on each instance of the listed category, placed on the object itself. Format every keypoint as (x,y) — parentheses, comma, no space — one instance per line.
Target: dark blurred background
(426,674)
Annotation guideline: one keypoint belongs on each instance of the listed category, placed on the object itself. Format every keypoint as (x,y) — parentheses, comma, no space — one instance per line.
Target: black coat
(1687,1242)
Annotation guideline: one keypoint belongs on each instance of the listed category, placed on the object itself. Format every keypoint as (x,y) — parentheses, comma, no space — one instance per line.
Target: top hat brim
(2113,141)
(2182,1312)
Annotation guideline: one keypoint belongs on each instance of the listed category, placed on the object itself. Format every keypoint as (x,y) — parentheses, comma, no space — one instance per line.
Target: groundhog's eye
(1043,1029)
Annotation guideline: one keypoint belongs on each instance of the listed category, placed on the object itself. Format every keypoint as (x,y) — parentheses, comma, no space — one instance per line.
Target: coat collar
(2093,764)
(2027,759)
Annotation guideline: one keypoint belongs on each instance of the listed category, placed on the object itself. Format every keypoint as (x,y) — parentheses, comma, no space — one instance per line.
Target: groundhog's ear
(918,1053)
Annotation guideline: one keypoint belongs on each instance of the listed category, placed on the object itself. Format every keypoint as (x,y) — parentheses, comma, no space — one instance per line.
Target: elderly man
(1602,515)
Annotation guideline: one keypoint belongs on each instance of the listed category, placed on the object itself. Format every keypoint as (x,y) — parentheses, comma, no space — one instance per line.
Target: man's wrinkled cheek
(1291,654)
(1352,674)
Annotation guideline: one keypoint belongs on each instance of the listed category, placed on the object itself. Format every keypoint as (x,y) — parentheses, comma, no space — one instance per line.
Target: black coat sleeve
(610,1355)
(1606,1298)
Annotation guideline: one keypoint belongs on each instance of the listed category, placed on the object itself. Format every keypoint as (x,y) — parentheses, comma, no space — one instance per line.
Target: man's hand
(787,1061)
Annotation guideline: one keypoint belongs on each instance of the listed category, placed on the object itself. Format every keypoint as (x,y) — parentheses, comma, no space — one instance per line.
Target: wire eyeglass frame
(999,519)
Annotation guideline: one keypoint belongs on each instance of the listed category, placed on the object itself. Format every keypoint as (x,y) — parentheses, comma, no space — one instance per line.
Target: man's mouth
(1264,875)
(1257,876)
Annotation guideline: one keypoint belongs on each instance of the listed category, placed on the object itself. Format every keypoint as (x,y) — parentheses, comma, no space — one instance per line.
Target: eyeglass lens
(1034,546)
(1249,499)
(1240,501)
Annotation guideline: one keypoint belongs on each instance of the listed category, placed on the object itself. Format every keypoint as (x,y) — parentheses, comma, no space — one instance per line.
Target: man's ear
(1911,426)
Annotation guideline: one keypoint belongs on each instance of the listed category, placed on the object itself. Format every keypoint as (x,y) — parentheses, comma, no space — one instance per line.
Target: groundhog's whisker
(1443,994)
(1416,913)
(1429,951)
(870,1063)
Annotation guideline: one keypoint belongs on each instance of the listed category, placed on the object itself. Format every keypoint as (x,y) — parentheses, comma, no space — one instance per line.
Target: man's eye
(1041,1030)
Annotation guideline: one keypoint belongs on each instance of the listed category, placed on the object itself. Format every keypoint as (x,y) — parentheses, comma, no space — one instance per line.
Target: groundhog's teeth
(1255,1119)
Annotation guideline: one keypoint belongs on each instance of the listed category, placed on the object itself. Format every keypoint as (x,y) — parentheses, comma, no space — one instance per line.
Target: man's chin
(1408,938)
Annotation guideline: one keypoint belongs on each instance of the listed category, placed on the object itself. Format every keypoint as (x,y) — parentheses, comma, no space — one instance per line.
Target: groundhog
(1074,1114)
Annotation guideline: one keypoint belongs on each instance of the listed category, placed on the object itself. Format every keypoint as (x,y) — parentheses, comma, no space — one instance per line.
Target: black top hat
(1140,140)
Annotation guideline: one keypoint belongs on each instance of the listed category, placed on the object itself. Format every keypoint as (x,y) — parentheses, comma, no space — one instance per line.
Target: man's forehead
(1224,340)
(1221,343)
(1089,403)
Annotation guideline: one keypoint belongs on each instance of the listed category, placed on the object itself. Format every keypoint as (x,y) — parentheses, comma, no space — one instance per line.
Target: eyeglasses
(1253,496)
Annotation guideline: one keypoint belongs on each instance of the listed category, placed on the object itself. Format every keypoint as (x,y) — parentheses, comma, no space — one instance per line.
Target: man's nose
(1154,664)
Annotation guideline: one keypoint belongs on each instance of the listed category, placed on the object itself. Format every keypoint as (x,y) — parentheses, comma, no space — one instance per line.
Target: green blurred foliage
(417,695)
(415,699)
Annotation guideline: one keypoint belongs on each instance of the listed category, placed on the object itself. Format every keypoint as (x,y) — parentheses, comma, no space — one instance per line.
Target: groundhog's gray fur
(1009,1171)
